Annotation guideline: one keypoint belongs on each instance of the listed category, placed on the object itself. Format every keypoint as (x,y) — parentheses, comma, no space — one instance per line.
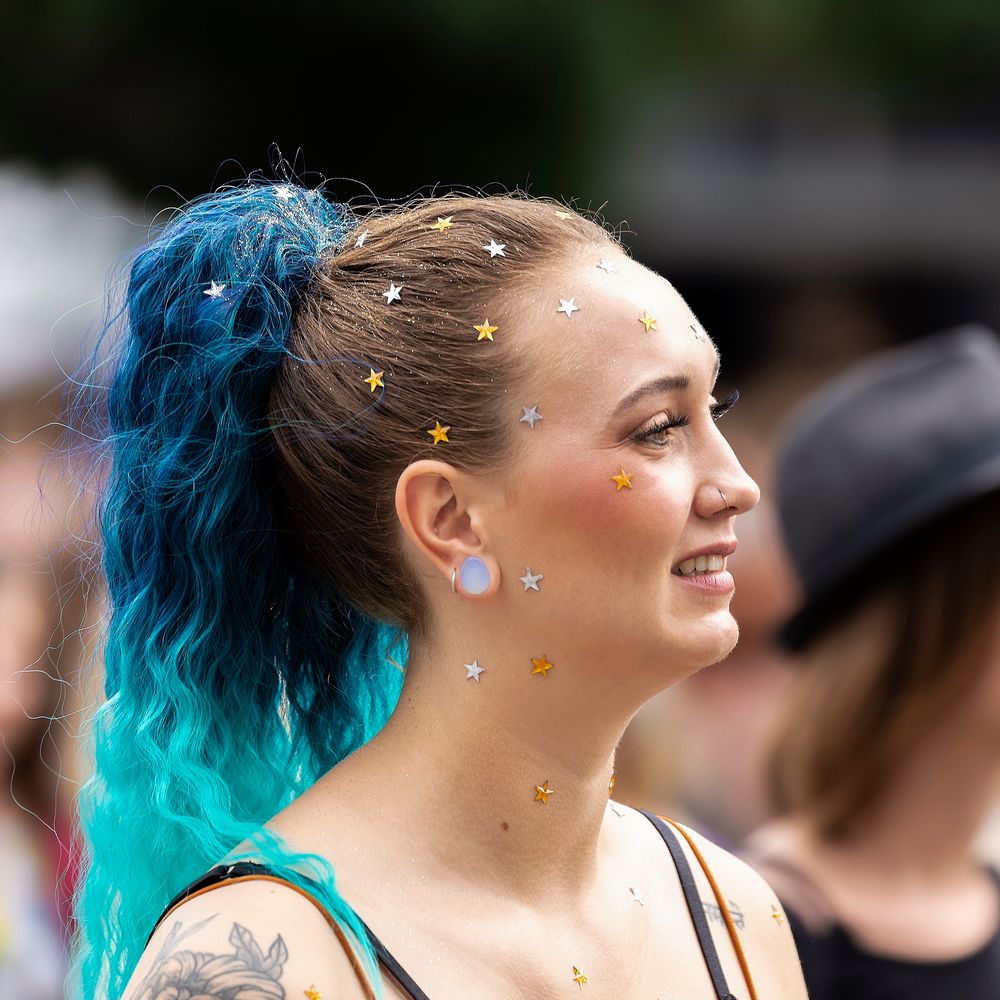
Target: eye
(662,426)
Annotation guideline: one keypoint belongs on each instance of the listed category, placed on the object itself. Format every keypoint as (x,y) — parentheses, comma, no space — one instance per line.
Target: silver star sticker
(284,192)
(214,290)
(638,896)
(608,266)
(473,670)
(568,306)
(361,239)
(530,580)
(393,294)
(495,249)
(530,415)
(616,809)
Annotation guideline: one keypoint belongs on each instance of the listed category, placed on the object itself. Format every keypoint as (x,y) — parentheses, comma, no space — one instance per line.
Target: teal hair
(187,511)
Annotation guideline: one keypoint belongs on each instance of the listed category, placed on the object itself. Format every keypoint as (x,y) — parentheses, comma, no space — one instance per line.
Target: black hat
(879,451)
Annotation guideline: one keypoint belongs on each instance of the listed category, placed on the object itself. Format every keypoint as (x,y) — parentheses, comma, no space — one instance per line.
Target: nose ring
(723,495)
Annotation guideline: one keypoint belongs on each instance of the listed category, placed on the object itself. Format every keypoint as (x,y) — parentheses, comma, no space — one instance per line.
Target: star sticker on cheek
(530,415)
(541,666)
(473,670)
(495,249)
(648,322)
(438,432)
(442,224)
(608,267)
(622,480)
(375,379)
(530,580)
(568,306)
(392,295)
(542,792)
(485,330)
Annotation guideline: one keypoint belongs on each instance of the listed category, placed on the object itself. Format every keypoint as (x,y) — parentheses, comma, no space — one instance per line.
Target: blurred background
(819,180)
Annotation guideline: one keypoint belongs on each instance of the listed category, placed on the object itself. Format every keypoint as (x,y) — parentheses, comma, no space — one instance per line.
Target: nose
(727,488)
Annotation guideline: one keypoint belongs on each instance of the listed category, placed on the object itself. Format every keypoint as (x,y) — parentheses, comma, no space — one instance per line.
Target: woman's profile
(407,512)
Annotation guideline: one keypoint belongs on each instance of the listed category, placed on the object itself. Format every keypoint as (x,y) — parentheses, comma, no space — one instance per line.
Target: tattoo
(247,974)
(714,913)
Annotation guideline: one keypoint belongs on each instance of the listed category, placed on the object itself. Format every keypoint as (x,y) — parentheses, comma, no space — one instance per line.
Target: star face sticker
(623,479)
(608,267)
(637,895)
(578,977)
(442,224)
(438,432)
(375,379)
(777,914)
(284,192)
(392,295)
(648,322)
(214,290)
(312,993)
(485,330)
(541,666)
(565,215)
(473,670)
(568,306)
(617,809)
(530,580)
(697,335)
(530,415)
(360,241)
(495,249)
(542,792)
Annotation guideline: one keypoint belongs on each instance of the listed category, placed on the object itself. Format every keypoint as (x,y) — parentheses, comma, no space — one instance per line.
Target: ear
(435,504)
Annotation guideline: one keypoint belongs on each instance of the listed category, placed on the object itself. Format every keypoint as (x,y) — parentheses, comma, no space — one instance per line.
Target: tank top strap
(697,911)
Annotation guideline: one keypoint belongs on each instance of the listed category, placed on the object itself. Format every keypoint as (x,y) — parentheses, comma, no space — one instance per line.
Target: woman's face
(609,549)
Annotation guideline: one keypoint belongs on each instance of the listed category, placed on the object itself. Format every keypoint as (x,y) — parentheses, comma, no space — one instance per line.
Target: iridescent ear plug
(475,576)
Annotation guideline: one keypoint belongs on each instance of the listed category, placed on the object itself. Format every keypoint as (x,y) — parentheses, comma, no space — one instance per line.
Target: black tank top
(222,873)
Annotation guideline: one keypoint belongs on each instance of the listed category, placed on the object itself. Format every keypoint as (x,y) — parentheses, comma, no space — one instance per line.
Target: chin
(710,641)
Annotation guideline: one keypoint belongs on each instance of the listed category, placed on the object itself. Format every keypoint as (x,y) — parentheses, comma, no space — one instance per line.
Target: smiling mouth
(700,565)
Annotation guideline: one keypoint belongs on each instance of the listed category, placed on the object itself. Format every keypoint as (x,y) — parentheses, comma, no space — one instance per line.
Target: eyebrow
(665,383)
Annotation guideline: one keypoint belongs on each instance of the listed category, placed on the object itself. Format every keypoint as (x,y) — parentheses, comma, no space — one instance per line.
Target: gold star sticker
(647,321)
(312,993)
(485,331)
(578,977)
(541,666)
(776,913)
(542,792)
(565,215)
(374,379)
(442,224)
(438,432)
(623,479)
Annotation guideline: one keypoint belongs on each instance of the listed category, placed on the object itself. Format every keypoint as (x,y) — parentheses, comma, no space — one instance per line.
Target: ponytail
(234,677)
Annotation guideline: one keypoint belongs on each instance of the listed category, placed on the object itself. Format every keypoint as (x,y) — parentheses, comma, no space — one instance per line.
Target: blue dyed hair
(237,671)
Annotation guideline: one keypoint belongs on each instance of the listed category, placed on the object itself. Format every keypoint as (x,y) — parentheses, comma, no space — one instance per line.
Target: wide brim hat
(879,451)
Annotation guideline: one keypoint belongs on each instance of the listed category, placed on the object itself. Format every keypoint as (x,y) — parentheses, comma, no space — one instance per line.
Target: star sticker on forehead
(623,480)
(438,432)
(375,379)
(697,335)
(647,321)
(530,415)
(541,665)
(442,224)
(608,267)
(495,249)
(637,895)
(530,580)
(568,306)
(542,791)
(485,330)
(473,670)
(312,993)
(214,290)
(392,295)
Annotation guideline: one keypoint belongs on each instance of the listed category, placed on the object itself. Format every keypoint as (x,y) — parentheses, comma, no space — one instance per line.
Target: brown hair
(904,641)
(337,479)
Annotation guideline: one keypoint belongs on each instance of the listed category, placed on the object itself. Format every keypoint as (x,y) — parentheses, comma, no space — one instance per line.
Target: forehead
(603,351)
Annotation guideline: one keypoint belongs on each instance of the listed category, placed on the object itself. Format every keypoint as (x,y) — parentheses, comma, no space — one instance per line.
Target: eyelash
(717,410)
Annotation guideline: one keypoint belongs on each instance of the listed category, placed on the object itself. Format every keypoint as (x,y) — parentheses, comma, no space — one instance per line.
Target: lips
(724,547)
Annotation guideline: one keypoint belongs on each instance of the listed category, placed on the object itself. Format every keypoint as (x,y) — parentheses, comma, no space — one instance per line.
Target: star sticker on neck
(374,379)
(473,670)
(578,977)
(637,895)
(608,267)
(568,306)
(495,249)
(541,665)
(530,415)
(442,224)
(530,580)
(617,809)
(485,330)
(360,241)
(214,290)
(647,321)
(623,479)
(438,432)
(777,914)
(542,792)
(392,295)
(564,215)
(284,192)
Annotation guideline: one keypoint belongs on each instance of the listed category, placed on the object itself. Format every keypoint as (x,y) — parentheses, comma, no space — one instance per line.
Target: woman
(887,759)
(408,513)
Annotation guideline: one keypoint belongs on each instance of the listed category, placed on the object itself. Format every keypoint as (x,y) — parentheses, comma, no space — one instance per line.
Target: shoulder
(757,916)
(260,934)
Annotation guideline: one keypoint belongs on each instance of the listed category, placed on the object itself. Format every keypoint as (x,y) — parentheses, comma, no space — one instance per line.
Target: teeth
(703,564)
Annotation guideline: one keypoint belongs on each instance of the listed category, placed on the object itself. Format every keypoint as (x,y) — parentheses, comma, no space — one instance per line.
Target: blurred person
(470,434)
(886,760)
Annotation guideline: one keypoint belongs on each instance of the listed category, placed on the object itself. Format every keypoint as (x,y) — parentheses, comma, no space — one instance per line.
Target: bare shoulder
(758,918)
(256,937)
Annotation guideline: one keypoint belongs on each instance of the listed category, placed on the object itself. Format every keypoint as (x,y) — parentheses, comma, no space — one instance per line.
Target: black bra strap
(694,906)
